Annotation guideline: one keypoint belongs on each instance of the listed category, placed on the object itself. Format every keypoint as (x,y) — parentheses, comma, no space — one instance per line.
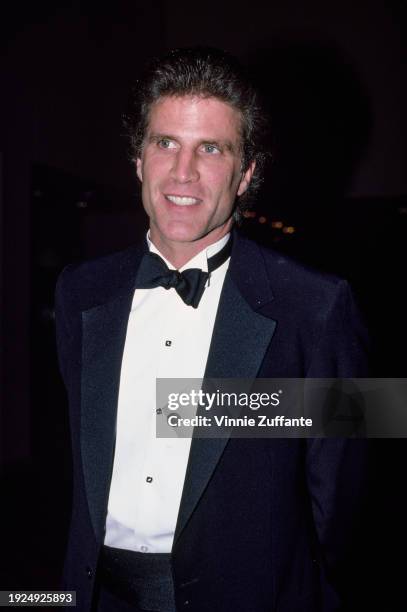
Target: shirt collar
(200,260)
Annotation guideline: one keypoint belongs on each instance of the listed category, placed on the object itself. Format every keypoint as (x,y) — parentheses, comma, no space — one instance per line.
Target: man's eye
(166,143)
(211,148)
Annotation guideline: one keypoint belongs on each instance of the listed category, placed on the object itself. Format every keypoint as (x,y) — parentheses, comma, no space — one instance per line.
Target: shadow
(320,126)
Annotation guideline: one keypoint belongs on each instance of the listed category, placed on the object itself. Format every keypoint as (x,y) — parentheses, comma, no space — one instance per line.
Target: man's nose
(185,168)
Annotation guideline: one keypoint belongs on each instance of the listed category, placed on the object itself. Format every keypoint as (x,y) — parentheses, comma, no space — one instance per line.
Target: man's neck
(179,253)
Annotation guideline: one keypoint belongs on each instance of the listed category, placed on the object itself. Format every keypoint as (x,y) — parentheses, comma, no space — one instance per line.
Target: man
(217,524)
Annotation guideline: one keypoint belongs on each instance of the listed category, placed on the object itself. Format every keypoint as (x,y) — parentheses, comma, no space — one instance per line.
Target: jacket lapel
(104,333)
(240,339)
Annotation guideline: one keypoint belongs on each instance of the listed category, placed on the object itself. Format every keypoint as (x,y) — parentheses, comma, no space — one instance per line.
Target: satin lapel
(104,334)
(239,341)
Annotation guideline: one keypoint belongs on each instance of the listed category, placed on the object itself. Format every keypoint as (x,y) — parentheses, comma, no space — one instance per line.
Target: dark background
(333,74)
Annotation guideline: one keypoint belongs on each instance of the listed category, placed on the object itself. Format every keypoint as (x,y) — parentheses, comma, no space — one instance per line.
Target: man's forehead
(194,112)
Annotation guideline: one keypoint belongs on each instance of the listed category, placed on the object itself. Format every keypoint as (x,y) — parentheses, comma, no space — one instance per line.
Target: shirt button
(168,343)
(144,548)
(89,572)
(149,479)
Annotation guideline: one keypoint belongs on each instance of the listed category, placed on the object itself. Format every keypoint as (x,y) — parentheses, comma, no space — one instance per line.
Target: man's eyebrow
(153,137)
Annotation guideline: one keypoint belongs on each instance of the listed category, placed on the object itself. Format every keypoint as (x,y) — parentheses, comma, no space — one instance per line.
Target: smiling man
(191,173)
(227,525)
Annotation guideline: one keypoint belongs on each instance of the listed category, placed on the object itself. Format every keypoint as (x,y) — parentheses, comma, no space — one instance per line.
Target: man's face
(190,169)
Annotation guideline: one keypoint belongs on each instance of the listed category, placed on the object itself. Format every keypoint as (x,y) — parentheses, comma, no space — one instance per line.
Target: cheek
(154,170)
(222,181)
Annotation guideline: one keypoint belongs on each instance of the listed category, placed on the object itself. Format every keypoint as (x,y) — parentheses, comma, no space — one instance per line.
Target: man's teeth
(182,200)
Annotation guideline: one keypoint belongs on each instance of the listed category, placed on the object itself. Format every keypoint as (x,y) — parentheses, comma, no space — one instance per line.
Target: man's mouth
(182,200)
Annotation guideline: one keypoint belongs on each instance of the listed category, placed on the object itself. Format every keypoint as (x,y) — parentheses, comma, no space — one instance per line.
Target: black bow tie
(189,284)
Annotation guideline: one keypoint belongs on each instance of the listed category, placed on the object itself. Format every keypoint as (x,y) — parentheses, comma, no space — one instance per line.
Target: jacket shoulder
(92,282)
(288,277)
(286,271)
(318,313)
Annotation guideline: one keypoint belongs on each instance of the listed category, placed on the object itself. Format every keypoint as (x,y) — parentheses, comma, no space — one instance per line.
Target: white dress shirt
(165,339)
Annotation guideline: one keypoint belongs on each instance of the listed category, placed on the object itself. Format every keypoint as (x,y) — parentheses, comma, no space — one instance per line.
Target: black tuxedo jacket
(262,523)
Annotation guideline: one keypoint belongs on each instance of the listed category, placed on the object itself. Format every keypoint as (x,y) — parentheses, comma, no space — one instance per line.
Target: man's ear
(139,169)
(246,178)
